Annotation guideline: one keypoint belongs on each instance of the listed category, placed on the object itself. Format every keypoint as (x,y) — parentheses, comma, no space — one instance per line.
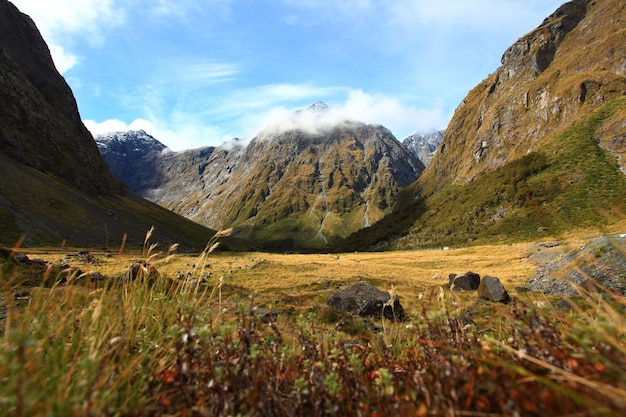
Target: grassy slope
(570,182)
(48,212)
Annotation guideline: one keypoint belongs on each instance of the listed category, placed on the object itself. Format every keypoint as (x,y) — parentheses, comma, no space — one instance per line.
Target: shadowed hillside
(54,186)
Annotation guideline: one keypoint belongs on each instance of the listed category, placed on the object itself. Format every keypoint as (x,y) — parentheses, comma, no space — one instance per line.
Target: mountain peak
(319,107)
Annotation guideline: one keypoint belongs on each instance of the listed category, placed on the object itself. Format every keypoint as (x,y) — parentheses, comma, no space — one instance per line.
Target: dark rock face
(451,278)
(491,289)
(522,55)
(136,158)
(365,300)
(40,125)
(54,185)
(468,281)
(424,145)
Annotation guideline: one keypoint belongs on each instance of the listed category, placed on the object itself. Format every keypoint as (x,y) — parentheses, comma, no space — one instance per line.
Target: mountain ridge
(55,189)
(424,145)
(290,187)
(534,150)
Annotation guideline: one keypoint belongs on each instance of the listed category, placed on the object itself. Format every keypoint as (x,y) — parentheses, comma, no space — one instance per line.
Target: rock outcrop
(468,281)
(491,289)
(136,158)
(365,300)
(424,145)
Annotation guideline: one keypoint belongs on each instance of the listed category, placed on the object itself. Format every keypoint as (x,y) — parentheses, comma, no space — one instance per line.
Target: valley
(525,187)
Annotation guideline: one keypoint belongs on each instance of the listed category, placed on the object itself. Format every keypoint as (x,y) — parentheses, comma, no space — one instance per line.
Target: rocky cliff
(572,64)
(535,150)
(39,121)
(424,145)
(133,157)
(290,187)
(54,186)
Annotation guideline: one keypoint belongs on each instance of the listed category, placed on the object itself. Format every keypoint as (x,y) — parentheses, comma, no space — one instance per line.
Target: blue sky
(195,73)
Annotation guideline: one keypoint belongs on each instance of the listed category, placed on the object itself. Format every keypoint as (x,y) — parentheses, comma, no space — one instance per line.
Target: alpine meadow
(322,267)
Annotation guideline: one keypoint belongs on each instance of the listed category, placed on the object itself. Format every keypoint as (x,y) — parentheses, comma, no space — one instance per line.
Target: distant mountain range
(289,188)
(424,145)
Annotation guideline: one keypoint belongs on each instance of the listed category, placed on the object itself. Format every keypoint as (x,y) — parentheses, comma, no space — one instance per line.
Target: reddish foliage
(443,372)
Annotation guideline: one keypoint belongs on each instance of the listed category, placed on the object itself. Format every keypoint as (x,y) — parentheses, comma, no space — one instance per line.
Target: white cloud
(176,136)
(392,113)
(55,18)
(59,19)
(180,130)
(63,60)
(481,15)
(359,106)
(290,19)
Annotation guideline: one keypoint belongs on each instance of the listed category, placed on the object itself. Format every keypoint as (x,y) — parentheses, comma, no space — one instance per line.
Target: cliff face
(54,186)
(133,157)
(572,64)
(535,150)
(299,189)
(39,121)
(424,145)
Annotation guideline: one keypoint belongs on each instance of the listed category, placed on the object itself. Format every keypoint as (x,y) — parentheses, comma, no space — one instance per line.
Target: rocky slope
(535,149)
(39,119)
(54,186)
(424,145)
(572,64)
(124,152)
(290,188)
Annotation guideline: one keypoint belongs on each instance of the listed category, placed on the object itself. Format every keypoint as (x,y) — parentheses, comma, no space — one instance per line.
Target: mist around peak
(316,119)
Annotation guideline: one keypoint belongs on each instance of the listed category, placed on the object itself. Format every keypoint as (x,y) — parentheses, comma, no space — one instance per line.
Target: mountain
(39,119)
(290,187)
(572,64)
(424,145)
(534,150)
(123,152)
(54,185)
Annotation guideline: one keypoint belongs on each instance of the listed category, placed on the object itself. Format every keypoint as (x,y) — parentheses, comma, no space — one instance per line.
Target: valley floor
(311,278)
(223,333)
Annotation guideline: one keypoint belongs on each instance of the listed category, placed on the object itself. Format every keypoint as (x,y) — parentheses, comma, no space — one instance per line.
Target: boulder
(365,300)
(491,289)
(468,282)
(141,271)
(451,279)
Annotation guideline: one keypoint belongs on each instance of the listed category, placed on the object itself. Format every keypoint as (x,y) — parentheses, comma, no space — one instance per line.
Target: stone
(451,279)
(468,282)
(365,300)
(564,305)
(491,289)
(141,271)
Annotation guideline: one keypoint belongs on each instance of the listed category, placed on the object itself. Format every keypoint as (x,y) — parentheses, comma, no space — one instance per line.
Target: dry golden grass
(128,348)
(303,281)
(312,277)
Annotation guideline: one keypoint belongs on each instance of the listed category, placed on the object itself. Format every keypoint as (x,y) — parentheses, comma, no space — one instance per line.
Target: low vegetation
(572,182)
(250,334)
